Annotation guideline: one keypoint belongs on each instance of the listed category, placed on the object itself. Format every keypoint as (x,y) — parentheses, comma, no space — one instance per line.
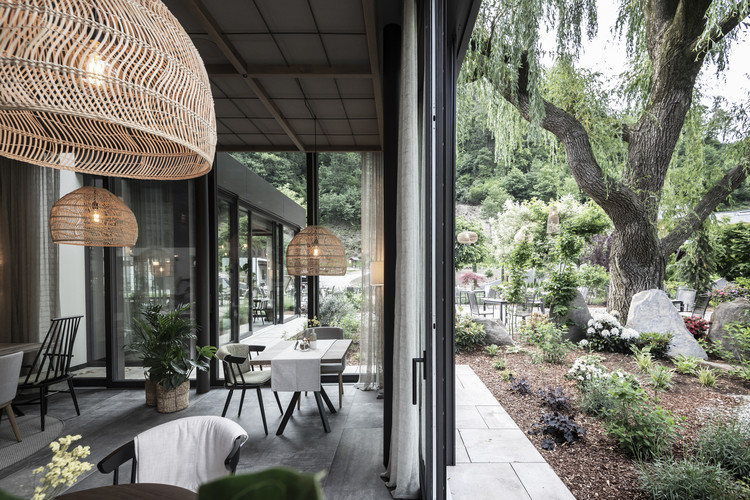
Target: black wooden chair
(184,452)
(52,364)
(239,373)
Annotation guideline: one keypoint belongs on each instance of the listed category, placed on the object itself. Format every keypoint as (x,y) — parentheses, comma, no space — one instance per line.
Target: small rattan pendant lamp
(94,217)
(117,84)
(315,251)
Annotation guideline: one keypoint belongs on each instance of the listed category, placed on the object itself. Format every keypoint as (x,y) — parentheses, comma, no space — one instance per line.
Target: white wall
(72,275)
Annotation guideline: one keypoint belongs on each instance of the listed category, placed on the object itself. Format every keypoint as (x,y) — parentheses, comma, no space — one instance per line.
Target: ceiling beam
(293,71)
(235,59)
(282,149)
(368,7)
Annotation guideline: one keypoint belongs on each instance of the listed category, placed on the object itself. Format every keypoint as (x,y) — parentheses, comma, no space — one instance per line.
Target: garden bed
(596,467)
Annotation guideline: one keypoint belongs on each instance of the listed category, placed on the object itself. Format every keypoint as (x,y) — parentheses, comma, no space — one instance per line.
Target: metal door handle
(414,362)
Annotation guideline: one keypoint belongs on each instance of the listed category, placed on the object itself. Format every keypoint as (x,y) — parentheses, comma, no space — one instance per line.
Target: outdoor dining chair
(240,374)
(10,369)
(186,452)
(701,304)
(52,364)
(523,311)
(687,297)
(332,333)
(474,306)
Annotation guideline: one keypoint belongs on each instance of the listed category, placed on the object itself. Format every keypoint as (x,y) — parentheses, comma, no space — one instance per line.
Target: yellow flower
(38,470)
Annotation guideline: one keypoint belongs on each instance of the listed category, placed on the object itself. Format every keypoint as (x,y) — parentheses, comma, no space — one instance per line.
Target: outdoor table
(11,347)
(497,302)
(284,358)
(136,491)
(679,304)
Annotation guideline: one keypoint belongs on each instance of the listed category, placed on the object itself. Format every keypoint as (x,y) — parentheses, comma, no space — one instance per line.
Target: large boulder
(577,319)
(725,313)
(496,332)
(652,311)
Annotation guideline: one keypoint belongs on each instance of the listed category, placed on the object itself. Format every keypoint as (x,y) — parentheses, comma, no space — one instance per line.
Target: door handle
(414,362)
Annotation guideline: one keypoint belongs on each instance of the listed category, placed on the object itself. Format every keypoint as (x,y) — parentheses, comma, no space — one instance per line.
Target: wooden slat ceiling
(289,75)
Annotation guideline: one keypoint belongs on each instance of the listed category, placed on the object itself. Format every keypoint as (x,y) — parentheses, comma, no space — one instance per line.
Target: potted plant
(162,341)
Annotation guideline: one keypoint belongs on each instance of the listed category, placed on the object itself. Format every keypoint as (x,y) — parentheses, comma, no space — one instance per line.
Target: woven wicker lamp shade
(467,237)
(94,217)
(106,87)
(315,251)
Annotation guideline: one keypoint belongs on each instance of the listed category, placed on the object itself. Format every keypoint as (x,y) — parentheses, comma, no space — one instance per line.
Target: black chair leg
(278,402)
(242,401)
(226,405)
(73,395)
(262,410)
(43,403)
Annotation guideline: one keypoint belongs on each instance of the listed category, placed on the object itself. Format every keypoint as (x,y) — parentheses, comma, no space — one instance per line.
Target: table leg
(288,414)
(327,400)
(322,412)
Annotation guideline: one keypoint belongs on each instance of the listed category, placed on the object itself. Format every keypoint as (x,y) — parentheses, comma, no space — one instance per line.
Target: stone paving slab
(494,458)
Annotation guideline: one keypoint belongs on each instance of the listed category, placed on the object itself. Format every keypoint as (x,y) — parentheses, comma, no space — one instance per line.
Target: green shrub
(659,342)
(334,308)
(492,350)
(643,358)
(501,364)
(642,428)
(726,443)
(469,334)
(554,347)
(595,398)
(707,377)
(686,364)
(687,479)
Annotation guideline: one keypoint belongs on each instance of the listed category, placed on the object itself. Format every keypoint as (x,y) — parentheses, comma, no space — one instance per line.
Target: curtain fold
(403,464)
(371,331)
(29,295)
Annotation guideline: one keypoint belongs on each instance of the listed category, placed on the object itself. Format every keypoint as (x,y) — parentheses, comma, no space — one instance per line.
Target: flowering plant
(605,333)
(697,326)
(586,368)
(313,323)
(730,292)
(64,469)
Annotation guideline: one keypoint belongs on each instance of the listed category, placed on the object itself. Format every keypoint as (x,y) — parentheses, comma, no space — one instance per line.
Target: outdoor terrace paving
(494,458)
(351,454)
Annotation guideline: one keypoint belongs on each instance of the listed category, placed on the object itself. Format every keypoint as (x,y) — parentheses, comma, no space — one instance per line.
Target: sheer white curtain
(371,331)
(403,464)
(29,295)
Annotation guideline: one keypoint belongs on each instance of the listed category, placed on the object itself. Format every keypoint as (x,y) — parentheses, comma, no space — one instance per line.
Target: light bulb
(316,251)
(96,67)
(96,216)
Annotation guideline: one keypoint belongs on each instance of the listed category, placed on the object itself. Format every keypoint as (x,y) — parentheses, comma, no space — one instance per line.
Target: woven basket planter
(174,400)
(150,393)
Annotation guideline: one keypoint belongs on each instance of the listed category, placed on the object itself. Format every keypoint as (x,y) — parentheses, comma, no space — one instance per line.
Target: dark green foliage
(726,443)
(555,399)
(562,429)
(590,222)
(277,483)
(595,398)
(698,264)
(658,343)
(342,310)
(469,334)
(688,479)
(733,258)
(521,386)
(472,254)
(561,286)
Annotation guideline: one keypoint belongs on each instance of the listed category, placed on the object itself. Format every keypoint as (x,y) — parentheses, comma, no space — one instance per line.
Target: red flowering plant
(697,326)
(470,277)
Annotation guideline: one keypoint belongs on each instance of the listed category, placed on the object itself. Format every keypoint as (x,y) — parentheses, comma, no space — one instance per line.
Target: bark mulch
(595,467)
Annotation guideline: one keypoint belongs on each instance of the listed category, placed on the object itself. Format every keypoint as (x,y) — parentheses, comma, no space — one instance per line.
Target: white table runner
(293,370)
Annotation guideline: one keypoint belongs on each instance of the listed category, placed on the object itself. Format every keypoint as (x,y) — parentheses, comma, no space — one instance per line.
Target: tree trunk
(636,263)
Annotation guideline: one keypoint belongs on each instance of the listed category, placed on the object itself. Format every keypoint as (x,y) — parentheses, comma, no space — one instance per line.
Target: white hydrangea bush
(605,333)
(589,368)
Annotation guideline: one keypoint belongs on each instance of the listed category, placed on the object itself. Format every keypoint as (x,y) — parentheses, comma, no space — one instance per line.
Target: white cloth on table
(293,370)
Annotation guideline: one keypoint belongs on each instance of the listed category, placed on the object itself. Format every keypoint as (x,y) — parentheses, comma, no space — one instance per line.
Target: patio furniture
(186,452)
(701,304)
(240,374)
(259,309)
(687,297)
(52,363)
(523,310)
(10,369)
(131,492)
(22,347)
(474,307)
(333,333)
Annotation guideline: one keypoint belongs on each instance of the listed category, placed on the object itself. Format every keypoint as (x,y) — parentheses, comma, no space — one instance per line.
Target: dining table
(134,491)
(295,370)
(24,347)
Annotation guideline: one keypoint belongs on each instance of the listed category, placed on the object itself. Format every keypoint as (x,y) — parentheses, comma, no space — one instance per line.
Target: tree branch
(691,222)
(725,26)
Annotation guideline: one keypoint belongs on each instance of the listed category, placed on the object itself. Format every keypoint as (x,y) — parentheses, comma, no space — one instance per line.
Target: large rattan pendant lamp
(92,216)
(117,84)
(315,251)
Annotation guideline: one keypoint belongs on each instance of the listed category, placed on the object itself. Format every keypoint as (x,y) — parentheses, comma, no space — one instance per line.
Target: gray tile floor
(351,453)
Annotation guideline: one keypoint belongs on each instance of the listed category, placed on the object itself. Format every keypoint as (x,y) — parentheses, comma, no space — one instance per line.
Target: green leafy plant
(687,479)
(277,483)
(726,442)
(659,342)
(686,364)
(516,349)
(642,428)
(661,377)
(737,338)
(561,286)
(469,334)
(562,429)
(643,358)
(500,364)
(506,375)
(595,398)
(707,377)
(492,349)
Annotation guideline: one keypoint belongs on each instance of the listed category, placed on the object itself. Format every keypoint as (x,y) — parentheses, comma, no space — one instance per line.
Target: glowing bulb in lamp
(96,67)
(95,215)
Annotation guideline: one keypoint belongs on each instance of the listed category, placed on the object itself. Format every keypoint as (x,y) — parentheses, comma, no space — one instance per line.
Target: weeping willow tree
(619,158)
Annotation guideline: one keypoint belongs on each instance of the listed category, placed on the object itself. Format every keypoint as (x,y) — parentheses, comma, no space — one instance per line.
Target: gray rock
(577,319)
(496,332)
(725,313)
(652,311)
